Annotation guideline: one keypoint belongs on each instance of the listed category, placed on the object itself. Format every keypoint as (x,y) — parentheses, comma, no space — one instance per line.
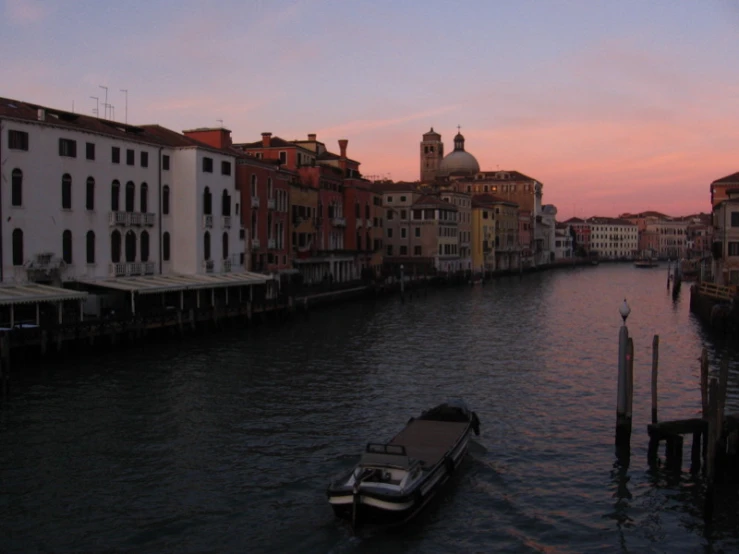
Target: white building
(562,242)
(613,238)
(726,239)
(90,200)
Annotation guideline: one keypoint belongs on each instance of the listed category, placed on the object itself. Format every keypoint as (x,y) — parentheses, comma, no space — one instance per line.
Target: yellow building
(495,244)
(482,243)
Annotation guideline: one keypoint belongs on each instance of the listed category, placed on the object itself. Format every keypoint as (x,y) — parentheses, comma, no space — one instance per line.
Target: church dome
(458,162)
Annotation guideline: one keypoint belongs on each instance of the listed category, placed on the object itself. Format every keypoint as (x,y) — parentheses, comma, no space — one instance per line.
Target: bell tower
(432,152)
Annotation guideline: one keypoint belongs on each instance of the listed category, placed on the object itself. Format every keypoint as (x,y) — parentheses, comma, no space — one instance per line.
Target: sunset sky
(614,106)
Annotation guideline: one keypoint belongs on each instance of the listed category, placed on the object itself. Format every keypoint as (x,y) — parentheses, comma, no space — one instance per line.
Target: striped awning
(32,293)
(151,284)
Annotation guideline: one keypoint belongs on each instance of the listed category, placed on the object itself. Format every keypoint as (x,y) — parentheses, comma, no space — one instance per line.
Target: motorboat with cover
(393,481)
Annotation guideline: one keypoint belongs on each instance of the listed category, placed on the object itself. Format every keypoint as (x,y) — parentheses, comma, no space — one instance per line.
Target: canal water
(226,443)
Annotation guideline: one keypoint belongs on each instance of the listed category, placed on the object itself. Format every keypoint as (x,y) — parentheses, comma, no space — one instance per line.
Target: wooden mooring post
(655,363)
(625,384)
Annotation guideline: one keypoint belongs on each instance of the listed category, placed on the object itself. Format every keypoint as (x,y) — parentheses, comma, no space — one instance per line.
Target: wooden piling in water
(625,384)
(655,362)
(704,382)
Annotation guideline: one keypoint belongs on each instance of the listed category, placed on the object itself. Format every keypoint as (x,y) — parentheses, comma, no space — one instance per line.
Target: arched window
(17,247)
(254,225)
(130,195)
(144,246)
(130,246)
(144,200)
(16,195)
(165,200)
(90,247)
(207,201)
(225,203)
(115,247)
(165,247)
(225,246)
(67,246)
(115,196)
(90,196)
(206,245)
(66,191)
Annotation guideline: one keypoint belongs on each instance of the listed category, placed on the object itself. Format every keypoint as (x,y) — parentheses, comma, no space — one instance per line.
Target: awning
(151,284)
(32,293)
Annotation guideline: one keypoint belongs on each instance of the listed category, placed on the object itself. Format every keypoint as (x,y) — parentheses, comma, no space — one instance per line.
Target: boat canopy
(386,460)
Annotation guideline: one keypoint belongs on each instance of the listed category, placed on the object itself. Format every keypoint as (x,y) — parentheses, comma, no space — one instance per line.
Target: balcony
(369,224)
(117,218)
(125,269)
(254,201)
(254,243)
(149,219)
(127,219)
(359,223)
(226,221)
(338,222)
(208,266)
(227,265)
(134,218)
(207,221)
(270,203)
(271,244)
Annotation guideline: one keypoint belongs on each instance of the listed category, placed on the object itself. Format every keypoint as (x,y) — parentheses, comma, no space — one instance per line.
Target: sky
(615,106)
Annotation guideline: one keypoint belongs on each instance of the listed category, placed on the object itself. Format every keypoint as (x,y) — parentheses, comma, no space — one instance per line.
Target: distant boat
(646,263)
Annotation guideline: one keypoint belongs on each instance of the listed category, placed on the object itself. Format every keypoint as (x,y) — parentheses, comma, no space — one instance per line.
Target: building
(720,187)
(118,209)
(725,247)
(562,242)
(613,238)
(580,229)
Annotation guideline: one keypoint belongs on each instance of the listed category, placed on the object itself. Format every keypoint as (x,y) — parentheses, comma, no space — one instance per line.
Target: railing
(338,221)
(270,203)
(149,219)
(271,244)
(226,220)
(134,218)
(369,224)
(359,223)
(720,292)
(227,265)
(117,218)
(254,201)
(124,269)
(255,243)
(208,266)
(207,221)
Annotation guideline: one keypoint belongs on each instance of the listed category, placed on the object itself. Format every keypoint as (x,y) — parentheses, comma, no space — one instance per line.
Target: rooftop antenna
(96,111)
(125,91)
(105,104)
(112,112)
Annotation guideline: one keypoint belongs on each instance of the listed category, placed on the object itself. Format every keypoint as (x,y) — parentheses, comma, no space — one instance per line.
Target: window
(165,200)
(165,247)
(67,246)
(115,193)
(283,157)
(416,250)
(225,203)
(389,249)
(130,157)
(735,219)
(403,250)
(130,195)
(67,148)
(390,215)
(418,231)
(403,214)
(403,232)
(253,185)
(115,155)
(66,192)
(402,198)
(17,140)
(115,247)
(90,247)
(389,233)
(225,246)
(17,247)
(144,159)
(206,245)
(208,165)
(144,246)
(90,150)
(225,168)
(734,249)
(90,194)
(144,197)
(165,163)
(207,202)
(130,246)
(16,188)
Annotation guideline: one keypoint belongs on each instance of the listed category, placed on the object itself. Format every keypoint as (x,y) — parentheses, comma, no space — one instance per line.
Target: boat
(646,263)
(393,481)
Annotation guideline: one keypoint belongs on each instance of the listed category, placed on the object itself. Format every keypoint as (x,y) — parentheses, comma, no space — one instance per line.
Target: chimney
(312,137)
(41,114)
(266,140)
(342,147)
